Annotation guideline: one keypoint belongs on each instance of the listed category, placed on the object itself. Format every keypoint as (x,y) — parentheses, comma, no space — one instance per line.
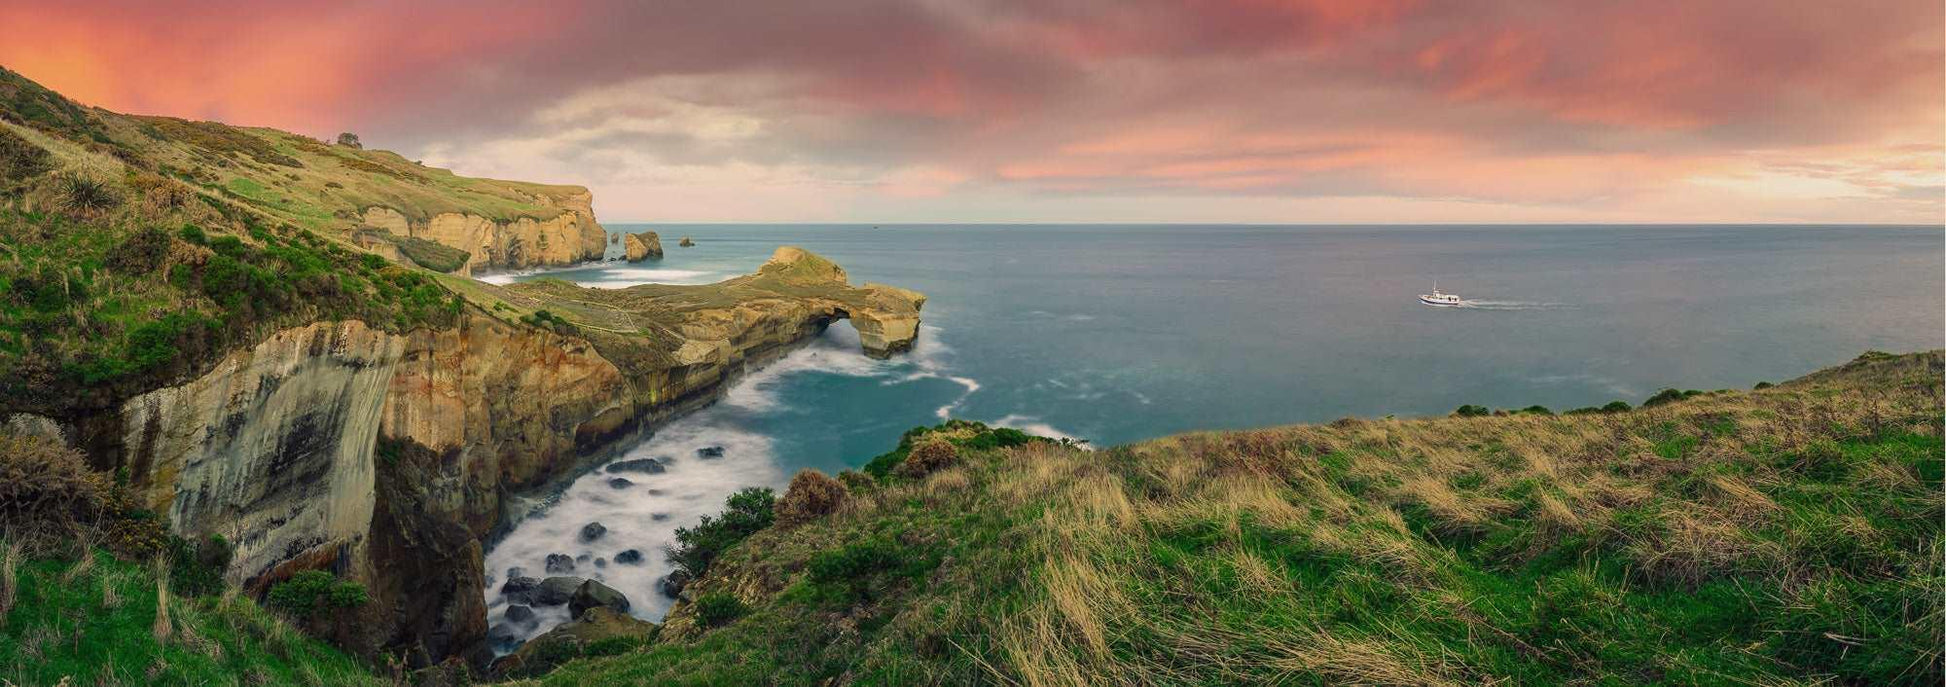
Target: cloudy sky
(1074,110)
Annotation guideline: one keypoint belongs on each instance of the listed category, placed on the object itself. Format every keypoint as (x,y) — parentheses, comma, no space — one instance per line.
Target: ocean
(1116,333)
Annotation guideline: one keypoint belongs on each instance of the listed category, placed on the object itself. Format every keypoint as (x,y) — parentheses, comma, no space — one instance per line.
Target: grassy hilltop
(1784,536)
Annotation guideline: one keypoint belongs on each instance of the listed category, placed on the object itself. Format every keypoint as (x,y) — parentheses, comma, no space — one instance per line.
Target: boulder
(594,594)
(620,483)
(555,591)
(559,563)
(709,452)
(518,614)
(516,571)
(642,246)
(503,637)
(673,583)
(685,242)
(629,557)
(519,589)
(568,640)
(648,465)
(658,517)
(601,562)
(582,558)
(592,531)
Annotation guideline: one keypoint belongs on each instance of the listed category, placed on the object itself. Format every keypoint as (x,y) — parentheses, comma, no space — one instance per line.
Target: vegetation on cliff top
(288,177)
(1783,536)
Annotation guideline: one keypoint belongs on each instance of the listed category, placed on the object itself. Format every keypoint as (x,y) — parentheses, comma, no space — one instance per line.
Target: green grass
(98,627)
(1789,536)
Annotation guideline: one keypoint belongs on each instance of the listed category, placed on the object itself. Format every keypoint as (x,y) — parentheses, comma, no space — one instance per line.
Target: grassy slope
(1784,536)
(290,177)
(93,622)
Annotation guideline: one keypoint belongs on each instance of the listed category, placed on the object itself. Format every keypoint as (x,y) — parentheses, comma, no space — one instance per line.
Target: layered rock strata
(388,457)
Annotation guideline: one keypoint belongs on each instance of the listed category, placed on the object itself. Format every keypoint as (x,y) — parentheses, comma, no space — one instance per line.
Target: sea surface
(1114,334)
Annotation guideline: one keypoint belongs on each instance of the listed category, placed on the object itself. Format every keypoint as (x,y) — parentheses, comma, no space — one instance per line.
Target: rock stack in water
(641,246)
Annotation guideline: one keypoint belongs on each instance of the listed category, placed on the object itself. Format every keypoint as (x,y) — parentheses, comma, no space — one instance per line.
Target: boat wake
(1512,305)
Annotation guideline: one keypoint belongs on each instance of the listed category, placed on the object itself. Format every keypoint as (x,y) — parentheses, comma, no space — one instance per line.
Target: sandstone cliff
(566,238)
(386,457)
(642,246)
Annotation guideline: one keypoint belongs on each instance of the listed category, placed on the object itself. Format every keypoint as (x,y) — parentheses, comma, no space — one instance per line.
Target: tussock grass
(1785,536)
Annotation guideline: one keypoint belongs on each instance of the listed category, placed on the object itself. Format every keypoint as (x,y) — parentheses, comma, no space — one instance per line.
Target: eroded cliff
(387,457)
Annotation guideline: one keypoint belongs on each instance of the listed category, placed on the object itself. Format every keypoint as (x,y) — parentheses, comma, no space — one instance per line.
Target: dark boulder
(710,452)
(503,637)
(648,465)
(555,591)
(592,531)
(601,562)
(673,583)
(519,615)
(629,557)
(583,558)
(516,571)
(619,483)
(594,594)
(559,563)
(658,517)
(519,589)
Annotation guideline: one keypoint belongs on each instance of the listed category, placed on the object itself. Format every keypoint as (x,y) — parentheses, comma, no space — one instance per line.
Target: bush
(718,608)
(1537,410)
(746,512)
(312,592)
(1616,407)
(812,495)
(1470,410)
(196,567)
(1662,397)
(1762,385)
(44,485)
(141,253)
(193,234)
(928,457)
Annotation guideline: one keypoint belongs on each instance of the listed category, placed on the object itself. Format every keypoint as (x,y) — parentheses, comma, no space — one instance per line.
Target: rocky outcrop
(570,639)
(685,242)
(387,457)
(641,246)
(569,236)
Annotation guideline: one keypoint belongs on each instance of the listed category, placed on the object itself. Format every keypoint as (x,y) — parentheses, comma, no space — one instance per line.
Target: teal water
(1119,333)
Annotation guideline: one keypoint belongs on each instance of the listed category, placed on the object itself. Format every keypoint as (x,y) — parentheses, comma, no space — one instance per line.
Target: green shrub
(1762,385)
(747,512)
(718,608)
(312,592)
(1537,410)
(1470,410)
(193,234)
(140,253)
(1662,397)
(196,567)
(1616,407)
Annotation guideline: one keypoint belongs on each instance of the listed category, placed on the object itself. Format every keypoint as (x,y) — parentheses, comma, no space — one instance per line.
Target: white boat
(1439,300)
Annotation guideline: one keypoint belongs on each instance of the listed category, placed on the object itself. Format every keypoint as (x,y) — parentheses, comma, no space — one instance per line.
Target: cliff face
(387,457)
(567,238)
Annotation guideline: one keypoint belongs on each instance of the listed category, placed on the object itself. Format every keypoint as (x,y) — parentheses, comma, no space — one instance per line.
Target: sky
(1261,111)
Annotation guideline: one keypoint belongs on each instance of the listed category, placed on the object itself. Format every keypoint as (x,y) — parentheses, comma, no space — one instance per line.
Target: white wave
(1033,425)
(837,351)
(624,277)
